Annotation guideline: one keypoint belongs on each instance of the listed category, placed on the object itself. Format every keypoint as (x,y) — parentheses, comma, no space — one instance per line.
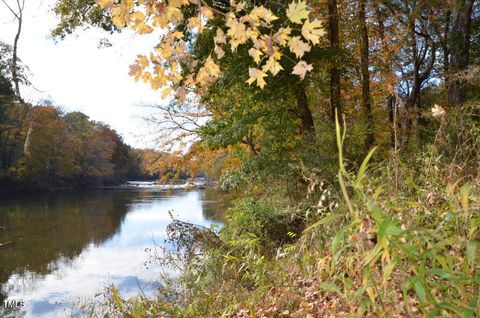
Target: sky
(78,76)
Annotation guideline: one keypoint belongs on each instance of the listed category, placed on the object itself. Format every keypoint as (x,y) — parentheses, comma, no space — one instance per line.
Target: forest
(347,133)
(44,147)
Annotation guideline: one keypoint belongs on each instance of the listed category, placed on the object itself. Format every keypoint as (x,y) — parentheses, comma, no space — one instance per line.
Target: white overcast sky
(77,75)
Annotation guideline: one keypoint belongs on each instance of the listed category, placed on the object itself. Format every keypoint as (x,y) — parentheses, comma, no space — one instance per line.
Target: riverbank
(372,247)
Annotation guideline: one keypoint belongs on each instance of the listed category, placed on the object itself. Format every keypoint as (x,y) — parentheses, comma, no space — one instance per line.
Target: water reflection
(62,246)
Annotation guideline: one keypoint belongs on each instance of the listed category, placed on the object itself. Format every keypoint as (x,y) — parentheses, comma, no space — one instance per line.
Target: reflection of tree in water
(214,204)
(47,230)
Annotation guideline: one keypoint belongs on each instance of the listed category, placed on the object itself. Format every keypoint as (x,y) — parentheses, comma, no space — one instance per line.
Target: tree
(459,42)
(365,63)
(18,14)
(334,36)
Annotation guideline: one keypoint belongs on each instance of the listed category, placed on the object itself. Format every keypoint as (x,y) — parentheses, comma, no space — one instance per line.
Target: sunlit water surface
(59,249)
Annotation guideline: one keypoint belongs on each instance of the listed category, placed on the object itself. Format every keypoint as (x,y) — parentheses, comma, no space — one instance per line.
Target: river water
(61,248)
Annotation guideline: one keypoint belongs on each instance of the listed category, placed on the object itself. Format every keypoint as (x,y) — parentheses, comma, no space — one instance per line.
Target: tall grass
(382,248)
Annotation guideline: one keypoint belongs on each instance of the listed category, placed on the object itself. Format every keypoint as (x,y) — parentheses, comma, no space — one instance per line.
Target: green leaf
(376,212)
(441,273)
(331,288)
(387,271)
(363,167)
(392,229)
(337,240)
(323,221)
(469,311)
(420,289)
(339,141)
(472,251)
(448,306)
(373,255)
(116,297)
(464,193)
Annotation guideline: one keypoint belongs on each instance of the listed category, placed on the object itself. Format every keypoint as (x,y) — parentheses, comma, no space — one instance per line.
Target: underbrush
(398,238)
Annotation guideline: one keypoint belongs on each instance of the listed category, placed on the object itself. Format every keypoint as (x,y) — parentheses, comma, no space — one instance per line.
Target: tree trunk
(304,113)
(459,41)
(364,61)
(19,17)
(388,76)
(334,70)
(28,140)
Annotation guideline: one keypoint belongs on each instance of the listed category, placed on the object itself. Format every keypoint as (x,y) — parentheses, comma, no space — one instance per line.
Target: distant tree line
(62,149)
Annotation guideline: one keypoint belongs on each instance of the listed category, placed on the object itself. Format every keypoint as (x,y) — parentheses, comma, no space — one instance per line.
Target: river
(61,248)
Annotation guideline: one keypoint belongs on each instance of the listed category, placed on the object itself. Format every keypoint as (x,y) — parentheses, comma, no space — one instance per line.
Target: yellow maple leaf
(174,15)
(256,75)
(206,12)
(142,60)
(138,23)
(177,3)
(147,77)
(195,23)
(298,47)
(238,33)
(219,51)
(142,28)
(282,36)
(121,13)
(160,21)
(105,4)
(297,11)
(312,31)
(212,68)
(272,66)
(135,71)
(157,82)
(261,13)
(220,37)
(240,6)
(301,69)
(255,54)
(166,91)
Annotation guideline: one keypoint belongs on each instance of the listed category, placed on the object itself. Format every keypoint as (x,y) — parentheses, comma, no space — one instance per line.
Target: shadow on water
(214,205)
(40,229)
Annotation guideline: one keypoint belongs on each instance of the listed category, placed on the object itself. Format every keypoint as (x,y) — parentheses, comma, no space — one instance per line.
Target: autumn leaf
(208,72)
(301,69)
(174,15)
(240,6)
(177,3)
(105,4)
(135,71)
(298,47)
(272,66)
(121,13)
(262,13)
(195,23)
(237,31)
(282,36)
(166,91)
(312,31)
(219,51)
(220,37)
(212,68)
(206,12)
(256,75)
(297,12)
(142,60)
(255,54)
